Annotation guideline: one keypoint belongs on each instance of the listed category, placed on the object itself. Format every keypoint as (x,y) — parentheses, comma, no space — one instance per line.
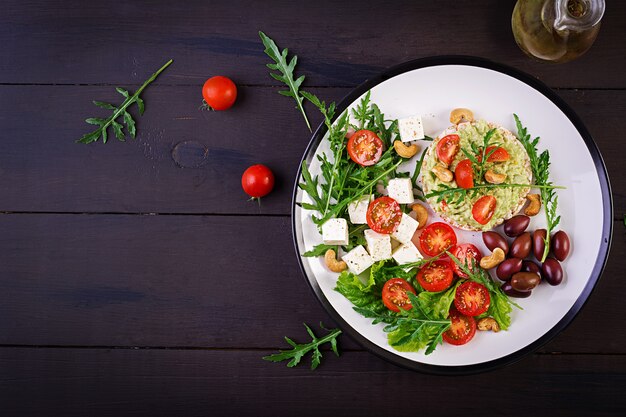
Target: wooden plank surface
(199,281)
(340,43)
(87,382)
(186,160)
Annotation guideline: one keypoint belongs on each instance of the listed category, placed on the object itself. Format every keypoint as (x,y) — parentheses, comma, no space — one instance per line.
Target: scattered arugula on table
(540,165)
(285,75)
(298,351)
(119,111)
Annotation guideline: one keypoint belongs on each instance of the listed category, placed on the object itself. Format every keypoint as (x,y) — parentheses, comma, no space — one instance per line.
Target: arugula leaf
(437,304)
(120,111)
(319,250)
(285,70)
(540,165)
(299,350)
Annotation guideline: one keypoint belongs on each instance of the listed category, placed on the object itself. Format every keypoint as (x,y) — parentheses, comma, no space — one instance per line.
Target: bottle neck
(577,15)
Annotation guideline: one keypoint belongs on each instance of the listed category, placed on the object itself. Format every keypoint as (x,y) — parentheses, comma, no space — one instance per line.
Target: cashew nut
(534,204)
(404,150)
(494,178)
(461,113)
(421,215)
(488,323)
(443,173)
(332,263)
(493,260)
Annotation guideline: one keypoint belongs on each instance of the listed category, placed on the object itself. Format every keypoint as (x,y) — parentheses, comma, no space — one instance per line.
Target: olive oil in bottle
(556,30)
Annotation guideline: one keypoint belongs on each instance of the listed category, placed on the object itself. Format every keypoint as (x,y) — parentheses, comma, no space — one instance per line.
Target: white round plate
(432,87)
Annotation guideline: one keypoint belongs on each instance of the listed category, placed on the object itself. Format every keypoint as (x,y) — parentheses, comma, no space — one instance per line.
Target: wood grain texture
(186,160)
(201,281)
(80,382)
(339,43)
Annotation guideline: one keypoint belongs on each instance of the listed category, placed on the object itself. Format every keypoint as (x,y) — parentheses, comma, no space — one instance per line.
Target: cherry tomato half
(447,148)
(467,254)
(472,299)
(436,238)
(257,181)
(384,215)
(462,328)
(498,154)
(365,147)
(394,294)
(219,92)
(436,276)
(483,209)
(464,174)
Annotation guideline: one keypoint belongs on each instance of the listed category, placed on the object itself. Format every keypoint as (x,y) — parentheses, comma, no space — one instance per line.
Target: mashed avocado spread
(516,169)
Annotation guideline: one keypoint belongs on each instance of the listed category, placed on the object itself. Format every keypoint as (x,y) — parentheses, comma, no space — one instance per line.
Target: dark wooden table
(135,278)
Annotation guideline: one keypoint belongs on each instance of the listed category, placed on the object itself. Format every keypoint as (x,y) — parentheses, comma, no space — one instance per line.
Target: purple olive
(524,281)
(512,292)
(516,225)
(495,240)
(560,245)
(530,266)
(509,267)
(552,271)
(520,248)
(539,243)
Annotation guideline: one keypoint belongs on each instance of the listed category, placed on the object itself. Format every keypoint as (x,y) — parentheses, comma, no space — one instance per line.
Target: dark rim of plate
(601,257)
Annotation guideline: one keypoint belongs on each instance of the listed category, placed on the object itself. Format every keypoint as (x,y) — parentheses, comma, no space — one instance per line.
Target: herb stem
(489,186)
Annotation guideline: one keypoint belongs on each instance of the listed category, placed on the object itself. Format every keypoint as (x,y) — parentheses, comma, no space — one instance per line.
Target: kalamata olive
(524,281)
(512,292)
(539,243)
(509,267)
(495,240)
(560,245)
(516,225)
(552,271)
(520,248)
(530,266)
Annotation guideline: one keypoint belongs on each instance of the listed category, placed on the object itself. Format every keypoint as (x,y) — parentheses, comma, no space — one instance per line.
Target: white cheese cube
(407,253)
(411,128)
(358,209)
(378,245)
(358,260)
(406,229)
(401,190)
(335,232)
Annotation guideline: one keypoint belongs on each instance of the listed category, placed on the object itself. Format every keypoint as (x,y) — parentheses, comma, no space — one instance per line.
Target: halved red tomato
(394,294)
(467,254)
(447,148)
(464,174)
(498,154)
(365,147)
(436,276)
(483,209)
(384,215)
(436,238)
(462,328)
(472,299)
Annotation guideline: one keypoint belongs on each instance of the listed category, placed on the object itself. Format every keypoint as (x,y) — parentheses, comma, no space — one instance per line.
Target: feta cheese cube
(401,190)
(378,245)
(358,209)
(407,253)
(411,128)
(358,260)
(406,229)
(335,232)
